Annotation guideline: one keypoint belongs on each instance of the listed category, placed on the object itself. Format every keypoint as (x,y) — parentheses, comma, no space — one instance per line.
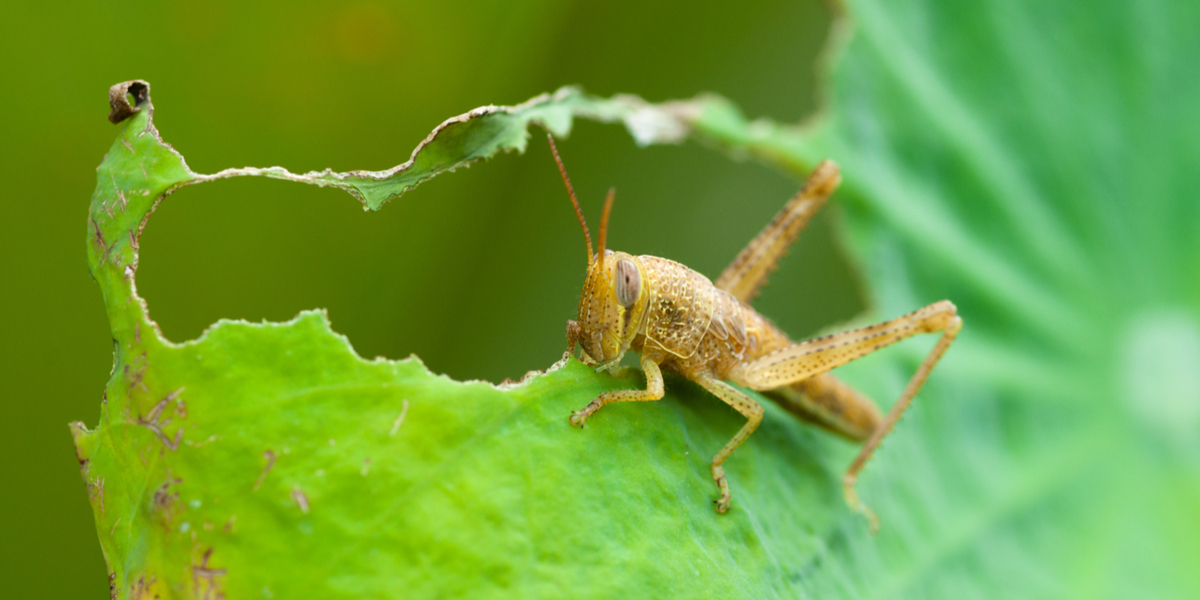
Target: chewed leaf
(484,132)
(269,460)
(1035,164)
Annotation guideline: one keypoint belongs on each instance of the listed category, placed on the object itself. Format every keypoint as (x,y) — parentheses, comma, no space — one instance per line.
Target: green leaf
(269,460)
(1034,164)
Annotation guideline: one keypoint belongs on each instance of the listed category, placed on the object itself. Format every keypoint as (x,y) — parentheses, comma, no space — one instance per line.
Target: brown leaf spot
(202,573)
(118,99)
(143,590)
(95,489)
(301,499)
(269,456)
(154,422)
(165,500)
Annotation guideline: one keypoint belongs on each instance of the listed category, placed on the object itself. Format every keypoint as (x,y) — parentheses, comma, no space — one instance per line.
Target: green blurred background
(476,272)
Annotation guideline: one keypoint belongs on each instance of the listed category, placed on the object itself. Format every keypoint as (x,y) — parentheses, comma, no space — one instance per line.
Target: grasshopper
(679,320)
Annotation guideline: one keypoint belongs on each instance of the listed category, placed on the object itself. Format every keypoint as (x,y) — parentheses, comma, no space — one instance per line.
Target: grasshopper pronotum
(679,320)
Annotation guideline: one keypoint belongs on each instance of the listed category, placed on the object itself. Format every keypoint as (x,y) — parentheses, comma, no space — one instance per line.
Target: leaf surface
(1032,163)
(269,460)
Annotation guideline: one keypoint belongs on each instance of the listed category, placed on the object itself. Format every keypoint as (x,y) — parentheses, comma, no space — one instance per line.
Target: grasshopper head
(612,306)
(615,293)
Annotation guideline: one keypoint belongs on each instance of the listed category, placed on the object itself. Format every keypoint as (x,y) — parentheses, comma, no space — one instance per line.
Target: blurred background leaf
(1035,163)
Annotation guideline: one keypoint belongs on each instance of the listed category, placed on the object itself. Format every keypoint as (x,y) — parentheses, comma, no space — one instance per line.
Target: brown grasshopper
(679,320)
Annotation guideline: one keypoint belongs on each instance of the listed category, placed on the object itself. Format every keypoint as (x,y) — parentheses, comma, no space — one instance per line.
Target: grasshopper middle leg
(750,409)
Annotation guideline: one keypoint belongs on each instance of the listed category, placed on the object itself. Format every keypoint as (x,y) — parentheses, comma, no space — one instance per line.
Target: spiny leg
(750,409)
(573,334)
(653,391)
(801,361)
(748,272)
(572,337)
(949,332)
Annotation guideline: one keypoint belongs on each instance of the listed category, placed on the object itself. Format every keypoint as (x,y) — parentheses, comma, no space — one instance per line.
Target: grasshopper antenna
(587,235)
(608,202)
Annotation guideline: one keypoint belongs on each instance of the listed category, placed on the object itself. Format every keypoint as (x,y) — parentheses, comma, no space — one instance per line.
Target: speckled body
(697,327)
(682,321)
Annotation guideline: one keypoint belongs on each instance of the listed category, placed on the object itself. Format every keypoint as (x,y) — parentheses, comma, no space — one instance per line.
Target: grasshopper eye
(629,282)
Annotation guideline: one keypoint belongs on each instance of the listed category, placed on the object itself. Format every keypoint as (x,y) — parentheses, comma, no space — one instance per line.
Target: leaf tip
(119,96)
(81,436)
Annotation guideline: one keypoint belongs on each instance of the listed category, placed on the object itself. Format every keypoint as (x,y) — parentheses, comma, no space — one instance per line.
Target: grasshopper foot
(857,506)
(725,500)
(579,416)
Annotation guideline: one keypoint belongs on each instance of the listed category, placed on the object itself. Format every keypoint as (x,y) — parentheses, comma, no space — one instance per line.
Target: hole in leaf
(477,272)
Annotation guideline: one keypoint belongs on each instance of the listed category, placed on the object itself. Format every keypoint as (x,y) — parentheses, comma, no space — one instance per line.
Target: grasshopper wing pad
(727,321)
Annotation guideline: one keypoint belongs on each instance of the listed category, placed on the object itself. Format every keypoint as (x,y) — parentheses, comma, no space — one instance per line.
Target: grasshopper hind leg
(802,361)
(831,404)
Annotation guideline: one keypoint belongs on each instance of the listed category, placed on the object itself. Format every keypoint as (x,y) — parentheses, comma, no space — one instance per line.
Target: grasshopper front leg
(653,391)
(572,338)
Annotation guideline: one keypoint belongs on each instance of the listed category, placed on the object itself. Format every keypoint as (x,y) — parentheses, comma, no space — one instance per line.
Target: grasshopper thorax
(612,306)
